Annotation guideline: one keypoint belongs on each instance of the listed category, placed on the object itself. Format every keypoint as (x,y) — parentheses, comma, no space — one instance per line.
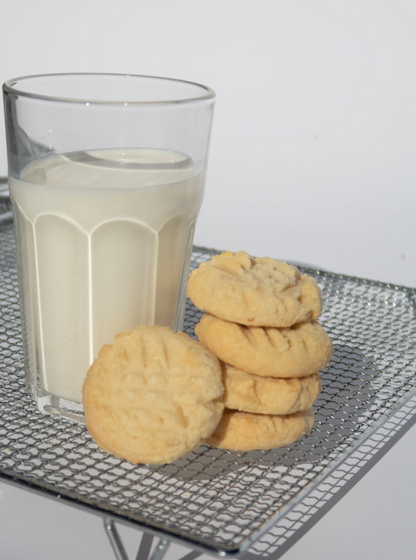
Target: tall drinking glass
(106,177)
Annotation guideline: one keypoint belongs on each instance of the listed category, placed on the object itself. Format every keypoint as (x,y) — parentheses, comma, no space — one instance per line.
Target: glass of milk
(106,177)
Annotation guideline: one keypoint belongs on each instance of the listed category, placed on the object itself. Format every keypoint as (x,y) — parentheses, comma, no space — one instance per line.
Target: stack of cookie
(260,321)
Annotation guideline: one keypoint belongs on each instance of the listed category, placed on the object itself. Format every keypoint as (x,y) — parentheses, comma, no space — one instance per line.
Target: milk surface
(104,240)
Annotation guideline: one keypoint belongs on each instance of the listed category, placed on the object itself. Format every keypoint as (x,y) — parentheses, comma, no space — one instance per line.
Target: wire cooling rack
(212,500)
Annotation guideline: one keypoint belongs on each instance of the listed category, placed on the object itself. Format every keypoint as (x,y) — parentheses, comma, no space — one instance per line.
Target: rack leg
(115,540)
(160,550)
(145,545)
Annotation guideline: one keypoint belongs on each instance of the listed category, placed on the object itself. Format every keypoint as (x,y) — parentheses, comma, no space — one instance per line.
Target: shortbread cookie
(243,431)
(294,351)
(258,292)
(153,395)
(247,392)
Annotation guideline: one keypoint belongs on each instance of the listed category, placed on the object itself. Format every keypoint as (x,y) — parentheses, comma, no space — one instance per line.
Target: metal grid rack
(212,500)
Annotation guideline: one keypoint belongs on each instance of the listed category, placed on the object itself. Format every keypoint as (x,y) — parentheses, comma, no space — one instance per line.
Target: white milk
(104,241)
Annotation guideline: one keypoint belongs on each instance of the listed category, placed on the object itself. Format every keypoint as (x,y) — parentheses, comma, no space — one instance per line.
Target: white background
(313,159)
(313,152)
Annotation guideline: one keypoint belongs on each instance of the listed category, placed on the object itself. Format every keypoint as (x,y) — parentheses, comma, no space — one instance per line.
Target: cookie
(267,395)
(296,351)
(257,292)
(244,431)
(153,395)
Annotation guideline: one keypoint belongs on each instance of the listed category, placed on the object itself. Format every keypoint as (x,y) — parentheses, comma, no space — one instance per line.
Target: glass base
(51,404)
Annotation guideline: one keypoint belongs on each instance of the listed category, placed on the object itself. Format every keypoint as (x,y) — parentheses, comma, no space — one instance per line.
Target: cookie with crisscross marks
(153,395)
(296,351)
(254,291)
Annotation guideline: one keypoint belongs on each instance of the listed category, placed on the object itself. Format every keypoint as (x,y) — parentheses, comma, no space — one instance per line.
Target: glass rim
(8,87)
